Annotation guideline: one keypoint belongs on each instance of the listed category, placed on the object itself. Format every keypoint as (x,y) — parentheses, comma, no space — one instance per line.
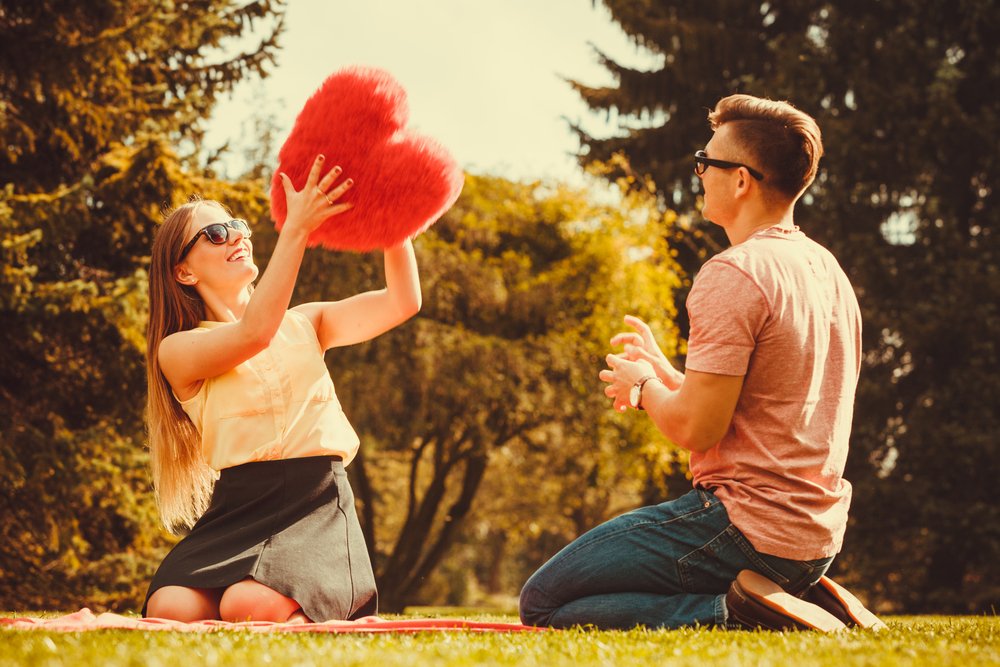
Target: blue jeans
(663,566)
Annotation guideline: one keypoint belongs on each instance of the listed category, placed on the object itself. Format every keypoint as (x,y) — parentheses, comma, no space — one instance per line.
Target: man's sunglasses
(217,233)
(702,162)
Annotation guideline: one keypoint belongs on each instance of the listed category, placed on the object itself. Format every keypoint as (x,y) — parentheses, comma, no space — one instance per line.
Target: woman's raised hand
(315,202)
(641,345)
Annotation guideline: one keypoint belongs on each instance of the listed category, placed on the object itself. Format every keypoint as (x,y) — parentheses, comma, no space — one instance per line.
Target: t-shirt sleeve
(727,312)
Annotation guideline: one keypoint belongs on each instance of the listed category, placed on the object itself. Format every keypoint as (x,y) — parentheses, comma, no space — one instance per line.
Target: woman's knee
(180,603)
(250,600)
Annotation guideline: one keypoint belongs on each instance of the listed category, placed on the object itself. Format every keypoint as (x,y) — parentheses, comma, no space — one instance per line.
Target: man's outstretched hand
(641,345)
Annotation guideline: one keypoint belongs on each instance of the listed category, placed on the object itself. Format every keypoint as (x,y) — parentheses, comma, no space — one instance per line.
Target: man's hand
(622,374)
(642,346)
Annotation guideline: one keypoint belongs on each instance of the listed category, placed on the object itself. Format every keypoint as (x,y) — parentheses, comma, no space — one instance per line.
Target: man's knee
(533,605)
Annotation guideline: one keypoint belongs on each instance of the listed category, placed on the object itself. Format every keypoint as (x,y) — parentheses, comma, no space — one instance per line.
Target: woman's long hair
(182,481)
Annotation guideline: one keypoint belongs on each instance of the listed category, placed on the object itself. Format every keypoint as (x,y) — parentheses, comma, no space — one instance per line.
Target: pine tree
(906,95)
(101,117)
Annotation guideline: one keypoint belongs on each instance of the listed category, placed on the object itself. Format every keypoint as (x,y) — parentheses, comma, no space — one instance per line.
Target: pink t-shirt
(779,310)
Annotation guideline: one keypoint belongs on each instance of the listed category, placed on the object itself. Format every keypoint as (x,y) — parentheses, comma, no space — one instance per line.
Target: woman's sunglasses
(702,162)
(217,233)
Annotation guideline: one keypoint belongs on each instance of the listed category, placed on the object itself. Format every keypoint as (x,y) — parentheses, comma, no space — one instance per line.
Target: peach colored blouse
(279,404)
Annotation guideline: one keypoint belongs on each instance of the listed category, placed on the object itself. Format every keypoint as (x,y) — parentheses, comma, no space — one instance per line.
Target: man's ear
(184,276)
(742,183)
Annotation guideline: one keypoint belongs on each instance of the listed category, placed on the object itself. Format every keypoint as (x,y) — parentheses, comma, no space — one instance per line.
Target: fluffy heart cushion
(403,182)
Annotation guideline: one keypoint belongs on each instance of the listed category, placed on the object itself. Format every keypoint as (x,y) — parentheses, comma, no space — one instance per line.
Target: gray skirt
(289,524)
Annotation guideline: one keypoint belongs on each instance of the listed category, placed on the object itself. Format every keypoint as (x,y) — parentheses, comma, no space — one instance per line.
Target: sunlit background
(483,78)
(102,107)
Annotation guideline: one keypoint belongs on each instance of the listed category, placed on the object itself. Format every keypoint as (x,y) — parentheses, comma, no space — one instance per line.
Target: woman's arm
(369,314)
(188,357)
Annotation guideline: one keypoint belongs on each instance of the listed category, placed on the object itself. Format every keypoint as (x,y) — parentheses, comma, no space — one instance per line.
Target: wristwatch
(635,393)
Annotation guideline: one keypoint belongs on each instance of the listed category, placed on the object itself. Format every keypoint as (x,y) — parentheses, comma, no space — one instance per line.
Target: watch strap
(640,383)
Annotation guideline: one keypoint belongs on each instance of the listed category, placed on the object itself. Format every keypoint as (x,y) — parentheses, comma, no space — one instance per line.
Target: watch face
(634,395)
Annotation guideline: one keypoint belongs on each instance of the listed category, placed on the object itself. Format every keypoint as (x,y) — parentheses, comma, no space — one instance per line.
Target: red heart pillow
(403,182)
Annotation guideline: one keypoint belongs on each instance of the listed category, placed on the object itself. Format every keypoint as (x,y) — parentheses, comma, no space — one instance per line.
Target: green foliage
(94,96)
(496,380)
(523,285)
(939,641)
(906,95)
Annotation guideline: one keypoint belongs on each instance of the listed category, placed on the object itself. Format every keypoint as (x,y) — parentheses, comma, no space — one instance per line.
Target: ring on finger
(325,196)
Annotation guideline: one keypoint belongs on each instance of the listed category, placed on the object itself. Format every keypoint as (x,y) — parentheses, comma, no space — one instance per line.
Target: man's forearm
(678,419)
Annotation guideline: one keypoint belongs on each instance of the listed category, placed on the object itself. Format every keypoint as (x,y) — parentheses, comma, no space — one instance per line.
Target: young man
(764,406)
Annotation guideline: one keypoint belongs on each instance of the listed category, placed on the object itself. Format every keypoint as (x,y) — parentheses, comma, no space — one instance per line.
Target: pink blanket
(87,620)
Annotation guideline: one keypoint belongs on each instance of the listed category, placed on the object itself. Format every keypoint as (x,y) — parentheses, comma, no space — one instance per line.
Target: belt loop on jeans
(705,494)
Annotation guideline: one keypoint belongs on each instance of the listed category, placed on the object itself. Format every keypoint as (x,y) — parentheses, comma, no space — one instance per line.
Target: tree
(906,95)
(98,100)
(524,285)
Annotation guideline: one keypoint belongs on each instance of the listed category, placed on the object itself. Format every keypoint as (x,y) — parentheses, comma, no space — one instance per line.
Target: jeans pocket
(792,575)
(712,567)
(801,574)
(780,573)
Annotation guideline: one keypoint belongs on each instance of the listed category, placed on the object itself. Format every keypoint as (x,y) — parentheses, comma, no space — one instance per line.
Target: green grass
(938,640)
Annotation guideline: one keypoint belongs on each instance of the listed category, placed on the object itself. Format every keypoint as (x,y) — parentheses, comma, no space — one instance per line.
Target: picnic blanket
(87,620)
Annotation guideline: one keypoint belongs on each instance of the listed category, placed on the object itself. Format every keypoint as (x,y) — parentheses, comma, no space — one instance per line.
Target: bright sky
(482,77)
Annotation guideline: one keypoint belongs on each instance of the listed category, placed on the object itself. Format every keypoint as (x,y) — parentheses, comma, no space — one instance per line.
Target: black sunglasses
(702,162)
(218,233)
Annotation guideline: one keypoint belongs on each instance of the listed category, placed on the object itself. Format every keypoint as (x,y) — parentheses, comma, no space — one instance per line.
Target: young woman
(238,390)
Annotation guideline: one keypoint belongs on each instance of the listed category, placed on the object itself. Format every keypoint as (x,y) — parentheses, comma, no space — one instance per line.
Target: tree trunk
(415,557)
(498,554)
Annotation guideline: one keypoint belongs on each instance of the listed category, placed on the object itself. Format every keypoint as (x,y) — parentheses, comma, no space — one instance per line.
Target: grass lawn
(936,640)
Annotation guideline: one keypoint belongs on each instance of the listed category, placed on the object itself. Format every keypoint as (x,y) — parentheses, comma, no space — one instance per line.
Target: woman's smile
(241,253)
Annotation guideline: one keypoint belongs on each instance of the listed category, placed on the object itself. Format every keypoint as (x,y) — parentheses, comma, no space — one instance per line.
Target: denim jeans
(663,566)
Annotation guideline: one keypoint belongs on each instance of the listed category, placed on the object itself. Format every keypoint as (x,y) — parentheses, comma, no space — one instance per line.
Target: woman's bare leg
(250,600)
(180,603)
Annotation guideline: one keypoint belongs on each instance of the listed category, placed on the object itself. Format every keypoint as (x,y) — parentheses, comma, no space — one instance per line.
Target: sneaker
(754,601)
(839,601)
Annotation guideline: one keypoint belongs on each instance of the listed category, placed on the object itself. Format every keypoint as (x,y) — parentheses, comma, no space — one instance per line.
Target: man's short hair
(778,139)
